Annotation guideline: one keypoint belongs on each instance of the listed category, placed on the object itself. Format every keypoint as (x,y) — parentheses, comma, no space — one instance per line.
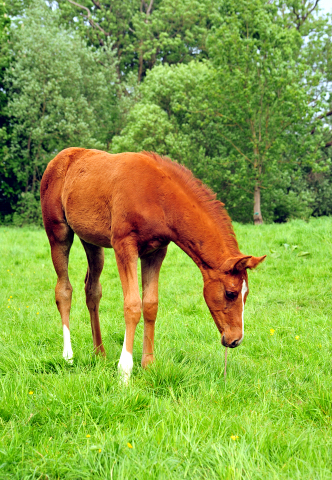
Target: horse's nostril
(230,345)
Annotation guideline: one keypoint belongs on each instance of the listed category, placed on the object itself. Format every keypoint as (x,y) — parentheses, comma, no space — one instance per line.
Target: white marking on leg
(126,363)
(67,350)
(243,292)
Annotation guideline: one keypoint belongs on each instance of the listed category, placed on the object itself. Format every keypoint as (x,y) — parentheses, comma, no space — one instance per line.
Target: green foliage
(28,210)
(164,119)
(4,62)
(62,94)
(144,33)
(261,93)
(239,91)
(270,419)
(241,120)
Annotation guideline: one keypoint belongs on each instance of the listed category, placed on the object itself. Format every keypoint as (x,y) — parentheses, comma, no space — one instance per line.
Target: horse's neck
(201,238)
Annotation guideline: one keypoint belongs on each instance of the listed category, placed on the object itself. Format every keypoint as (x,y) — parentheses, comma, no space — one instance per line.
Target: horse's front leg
(150,266)
(126,257)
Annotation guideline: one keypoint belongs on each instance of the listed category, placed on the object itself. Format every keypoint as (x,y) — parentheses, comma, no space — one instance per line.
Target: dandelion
(27,306)
(99,450)
(272,331)
(297,337)
(8,306)
(88,436)
(37,313)
(129,445)
(31,392)
(10,296)
(234,437)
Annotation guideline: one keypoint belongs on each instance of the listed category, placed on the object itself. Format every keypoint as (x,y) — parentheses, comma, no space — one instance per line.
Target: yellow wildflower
(88,436)
(234,437)
(10,296)
(31,392)
(129,445)
(37,313)
(99,450)
(272,331)
(297,337)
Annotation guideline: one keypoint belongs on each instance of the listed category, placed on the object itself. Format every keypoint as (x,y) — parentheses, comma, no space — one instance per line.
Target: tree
(62,93)
(241,120)
(165,119)
(143,33)
(262,93)
(4,120)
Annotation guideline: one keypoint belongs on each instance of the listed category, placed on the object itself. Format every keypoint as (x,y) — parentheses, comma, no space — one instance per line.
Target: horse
(137,203)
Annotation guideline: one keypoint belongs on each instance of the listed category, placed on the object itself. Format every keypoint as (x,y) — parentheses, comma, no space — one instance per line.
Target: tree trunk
(258,219)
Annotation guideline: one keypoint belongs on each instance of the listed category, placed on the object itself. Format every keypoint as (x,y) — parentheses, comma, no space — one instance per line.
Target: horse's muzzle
(234,344)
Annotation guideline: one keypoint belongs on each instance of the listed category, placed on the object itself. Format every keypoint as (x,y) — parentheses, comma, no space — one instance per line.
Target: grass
(271,419)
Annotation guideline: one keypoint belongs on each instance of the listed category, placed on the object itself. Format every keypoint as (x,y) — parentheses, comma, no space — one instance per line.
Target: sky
(326,5)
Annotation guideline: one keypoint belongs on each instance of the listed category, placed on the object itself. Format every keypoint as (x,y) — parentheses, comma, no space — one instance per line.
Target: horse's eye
(231,295)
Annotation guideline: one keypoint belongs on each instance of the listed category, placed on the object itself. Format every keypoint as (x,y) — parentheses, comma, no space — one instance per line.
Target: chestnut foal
(137,203)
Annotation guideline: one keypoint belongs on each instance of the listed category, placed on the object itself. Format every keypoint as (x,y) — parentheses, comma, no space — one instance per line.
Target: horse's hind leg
(150,266)
(95,256)
(126,258)
(61,239)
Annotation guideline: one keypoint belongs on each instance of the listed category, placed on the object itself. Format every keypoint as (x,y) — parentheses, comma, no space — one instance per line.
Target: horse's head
(225,292)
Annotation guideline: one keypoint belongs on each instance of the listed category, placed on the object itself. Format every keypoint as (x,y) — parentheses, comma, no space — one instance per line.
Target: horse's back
(94,191)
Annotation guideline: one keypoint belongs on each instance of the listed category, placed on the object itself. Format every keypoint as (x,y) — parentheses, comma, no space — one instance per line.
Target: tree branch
(328,114)
(97,4)
(236,148)
(92,23)
(149,8)
(301,19)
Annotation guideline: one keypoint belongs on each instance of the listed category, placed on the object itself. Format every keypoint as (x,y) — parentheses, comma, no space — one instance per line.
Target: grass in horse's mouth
(225,371)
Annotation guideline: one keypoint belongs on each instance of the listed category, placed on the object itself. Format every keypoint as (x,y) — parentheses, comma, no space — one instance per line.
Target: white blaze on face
(126,363)
(67,350)
(243,292)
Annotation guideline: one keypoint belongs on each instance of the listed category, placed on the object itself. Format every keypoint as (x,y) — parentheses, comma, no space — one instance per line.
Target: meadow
(270,419)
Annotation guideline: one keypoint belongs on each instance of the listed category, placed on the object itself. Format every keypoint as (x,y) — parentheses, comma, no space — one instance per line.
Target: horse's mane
(204,195)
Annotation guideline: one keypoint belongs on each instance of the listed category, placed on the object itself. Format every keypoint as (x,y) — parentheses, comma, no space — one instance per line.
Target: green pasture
(271,419)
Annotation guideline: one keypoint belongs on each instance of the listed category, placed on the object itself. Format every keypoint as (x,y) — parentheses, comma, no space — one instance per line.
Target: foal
(137,203)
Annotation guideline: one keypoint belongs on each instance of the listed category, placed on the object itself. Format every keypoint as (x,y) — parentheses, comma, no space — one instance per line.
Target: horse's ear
(238,264)
(254,261)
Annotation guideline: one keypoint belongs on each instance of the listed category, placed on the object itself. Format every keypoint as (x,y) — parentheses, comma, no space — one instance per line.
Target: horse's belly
(90,220)
(95,238)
